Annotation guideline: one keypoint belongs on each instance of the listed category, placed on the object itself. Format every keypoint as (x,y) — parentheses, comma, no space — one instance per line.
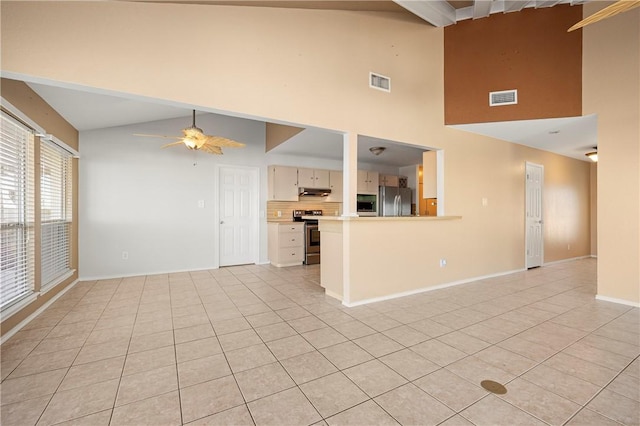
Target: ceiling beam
(481,8)
(546,3)
(438,13)
(515,5)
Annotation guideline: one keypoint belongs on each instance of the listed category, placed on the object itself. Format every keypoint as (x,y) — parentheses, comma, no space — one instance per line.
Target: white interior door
(238,195)
(534,222)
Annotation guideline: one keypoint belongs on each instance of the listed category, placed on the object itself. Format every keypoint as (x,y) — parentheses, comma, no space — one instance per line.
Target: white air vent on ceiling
(379,82)
(504,97)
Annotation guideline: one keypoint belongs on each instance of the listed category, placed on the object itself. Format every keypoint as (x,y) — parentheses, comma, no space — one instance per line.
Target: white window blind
(55,202)
(16,211)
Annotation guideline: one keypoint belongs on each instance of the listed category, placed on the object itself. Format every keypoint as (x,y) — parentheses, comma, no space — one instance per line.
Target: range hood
(314,192)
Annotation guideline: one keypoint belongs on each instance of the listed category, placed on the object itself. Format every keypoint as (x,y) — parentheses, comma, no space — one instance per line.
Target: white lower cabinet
(286,243)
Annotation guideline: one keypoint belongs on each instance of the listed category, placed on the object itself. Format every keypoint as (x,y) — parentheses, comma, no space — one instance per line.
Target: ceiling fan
(609,11)
(194,138)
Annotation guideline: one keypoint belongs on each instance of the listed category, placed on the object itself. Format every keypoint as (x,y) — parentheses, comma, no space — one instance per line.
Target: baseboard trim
(332,294)
(556,262)
(430,288)
(618,301)
(141,274)
(37,312)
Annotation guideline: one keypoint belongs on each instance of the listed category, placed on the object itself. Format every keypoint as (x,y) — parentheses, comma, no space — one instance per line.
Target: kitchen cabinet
(313,178)
(335,184)
(286,243)
(282,183)
(429,175)
(389,180)
(367,182)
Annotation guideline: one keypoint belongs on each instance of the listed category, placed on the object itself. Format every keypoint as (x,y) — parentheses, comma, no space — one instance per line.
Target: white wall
(138,198)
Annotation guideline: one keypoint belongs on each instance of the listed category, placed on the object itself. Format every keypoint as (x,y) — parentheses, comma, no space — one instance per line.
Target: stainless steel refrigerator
(394,201)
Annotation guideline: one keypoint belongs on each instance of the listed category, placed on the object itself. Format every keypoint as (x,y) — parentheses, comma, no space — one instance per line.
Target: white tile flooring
(263,345)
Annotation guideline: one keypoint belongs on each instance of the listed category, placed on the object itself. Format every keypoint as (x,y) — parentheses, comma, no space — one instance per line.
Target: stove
(311,235)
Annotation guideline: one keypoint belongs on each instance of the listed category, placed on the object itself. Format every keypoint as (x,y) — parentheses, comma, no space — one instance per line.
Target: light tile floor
(258,344)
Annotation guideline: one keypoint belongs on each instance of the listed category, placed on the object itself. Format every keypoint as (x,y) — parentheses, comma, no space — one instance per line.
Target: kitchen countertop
(382,218)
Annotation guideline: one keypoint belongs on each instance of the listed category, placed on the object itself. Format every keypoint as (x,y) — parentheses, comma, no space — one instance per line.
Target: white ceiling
(570,136)
(88,111)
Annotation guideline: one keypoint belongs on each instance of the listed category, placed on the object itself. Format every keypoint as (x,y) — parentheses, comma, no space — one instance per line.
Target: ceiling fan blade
(172,144)
(609,11)
(220,141)
(157,136)
(209,149)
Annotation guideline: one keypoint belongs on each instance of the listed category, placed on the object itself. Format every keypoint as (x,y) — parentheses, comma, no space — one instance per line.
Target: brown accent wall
(33,106)
(530,51)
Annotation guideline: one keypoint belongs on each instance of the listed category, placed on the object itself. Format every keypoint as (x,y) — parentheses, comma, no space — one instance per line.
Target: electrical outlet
(279,213)
(568,246)
(443,263)
(201,204)
(485,202)
(125,255)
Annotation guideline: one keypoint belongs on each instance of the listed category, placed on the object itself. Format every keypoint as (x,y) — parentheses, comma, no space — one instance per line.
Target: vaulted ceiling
(558,135)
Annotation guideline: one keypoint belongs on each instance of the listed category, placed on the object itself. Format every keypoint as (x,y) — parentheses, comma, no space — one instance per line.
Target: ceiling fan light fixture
(195,139)
(190,142)
(377,150)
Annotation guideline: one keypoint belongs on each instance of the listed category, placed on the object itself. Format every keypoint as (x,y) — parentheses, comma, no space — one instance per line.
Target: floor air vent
(379,82)
(504,97)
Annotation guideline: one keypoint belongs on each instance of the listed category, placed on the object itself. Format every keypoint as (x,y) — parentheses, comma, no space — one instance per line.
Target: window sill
(18,305)
(60,279)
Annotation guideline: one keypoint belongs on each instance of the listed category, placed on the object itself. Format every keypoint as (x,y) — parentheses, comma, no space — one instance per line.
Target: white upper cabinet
(282,183)
(429,175)
(335,184)
(389,180)
(367,182)
(313,178)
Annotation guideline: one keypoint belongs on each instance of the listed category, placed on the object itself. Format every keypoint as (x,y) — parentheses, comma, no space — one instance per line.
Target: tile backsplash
(287,207)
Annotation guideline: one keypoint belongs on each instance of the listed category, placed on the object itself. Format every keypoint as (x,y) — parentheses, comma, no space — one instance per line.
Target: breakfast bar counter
(365,259)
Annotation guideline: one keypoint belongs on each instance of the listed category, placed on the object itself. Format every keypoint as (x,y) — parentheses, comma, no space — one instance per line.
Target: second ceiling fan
(609,11)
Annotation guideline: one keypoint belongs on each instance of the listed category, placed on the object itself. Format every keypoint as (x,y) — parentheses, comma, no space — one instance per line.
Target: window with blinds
(16,211)
(55,203)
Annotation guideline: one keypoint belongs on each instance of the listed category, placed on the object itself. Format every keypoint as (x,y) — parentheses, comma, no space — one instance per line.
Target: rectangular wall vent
(504,97)
(379,82)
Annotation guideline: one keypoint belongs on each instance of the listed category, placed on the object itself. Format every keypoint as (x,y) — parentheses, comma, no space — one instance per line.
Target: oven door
(312,244)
